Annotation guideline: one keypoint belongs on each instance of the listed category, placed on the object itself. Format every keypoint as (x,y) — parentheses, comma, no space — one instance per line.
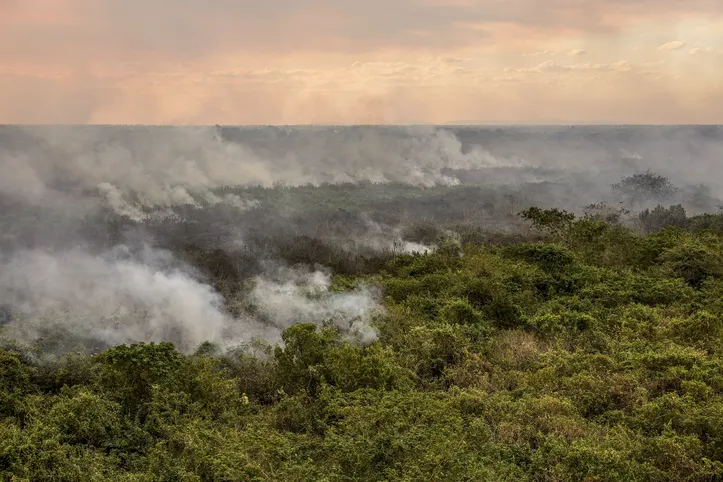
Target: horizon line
(419,124)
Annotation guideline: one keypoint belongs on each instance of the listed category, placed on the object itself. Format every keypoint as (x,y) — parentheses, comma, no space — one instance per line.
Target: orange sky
(343,61)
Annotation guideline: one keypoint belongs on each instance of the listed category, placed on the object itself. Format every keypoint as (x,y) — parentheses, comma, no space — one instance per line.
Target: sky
(361,62)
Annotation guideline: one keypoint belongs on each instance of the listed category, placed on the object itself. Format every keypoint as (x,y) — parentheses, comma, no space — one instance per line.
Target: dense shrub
(593,354)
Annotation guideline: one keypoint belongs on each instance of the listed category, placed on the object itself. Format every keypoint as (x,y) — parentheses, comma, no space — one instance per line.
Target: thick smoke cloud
(139,167)
(124,297)
(144,168)
(77,252)
(116,297)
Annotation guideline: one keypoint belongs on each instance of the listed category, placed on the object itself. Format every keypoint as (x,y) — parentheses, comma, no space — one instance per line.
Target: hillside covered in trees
(574,348)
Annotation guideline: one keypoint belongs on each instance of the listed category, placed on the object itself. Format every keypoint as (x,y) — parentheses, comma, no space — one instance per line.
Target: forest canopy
(578,349)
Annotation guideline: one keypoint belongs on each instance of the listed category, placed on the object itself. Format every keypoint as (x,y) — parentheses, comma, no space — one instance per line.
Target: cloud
(550,66)
(538,53)
(397,91)
(283,61)
(705,50)
(83,29)
(673,45)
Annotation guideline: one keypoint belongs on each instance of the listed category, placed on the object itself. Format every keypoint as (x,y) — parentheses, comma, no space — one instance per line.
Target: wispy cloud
(672,45)
(539,53)
(553,67)
(705,50)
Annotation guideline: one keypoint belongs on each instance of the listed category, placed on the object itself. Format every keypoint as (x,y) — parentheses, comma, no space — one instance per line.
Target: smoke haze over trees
(356,303)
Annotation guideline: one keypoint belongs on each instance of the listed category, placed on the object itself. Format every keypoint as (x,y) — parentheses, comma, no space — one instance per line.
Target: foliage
(642,187)
(595,354)
(554,221)
(660,217)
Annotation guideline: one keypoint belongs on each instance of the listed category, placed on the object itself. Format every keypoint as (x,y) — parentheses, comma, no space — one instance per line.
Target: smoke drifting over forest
(193,234)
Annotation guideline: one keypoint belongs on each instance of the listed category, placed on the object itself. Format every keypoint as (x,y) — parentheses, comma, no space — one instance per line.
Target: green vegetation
(595,354)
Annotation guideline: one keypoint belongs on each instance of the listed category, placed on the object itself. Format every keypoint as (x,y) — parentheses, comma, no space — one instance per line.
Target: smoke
(133,170)
(138,168)
(85,210)
(377,237)
(127,295)
(120,205)
(115,297)
(177,196)
(294,295)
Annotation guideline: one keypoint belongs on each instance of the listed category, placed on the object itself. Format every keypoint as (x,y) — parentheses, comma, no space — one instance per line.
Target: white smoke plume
(296,295)
(381,238)
(157,167)
(140,168)
(176,196)
(123,297)
(111,297)
(119,204)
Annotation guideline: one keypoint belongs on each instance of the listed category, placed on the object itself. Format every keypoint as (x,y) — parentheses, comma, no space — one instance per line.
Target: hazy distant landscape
(361,303)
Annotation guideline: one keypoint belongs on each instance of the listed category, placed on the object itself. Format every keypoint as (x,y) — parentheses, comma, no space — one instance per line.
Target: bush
(646,186)
(693,262)
(552,258)
(660,218)
(86,418)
